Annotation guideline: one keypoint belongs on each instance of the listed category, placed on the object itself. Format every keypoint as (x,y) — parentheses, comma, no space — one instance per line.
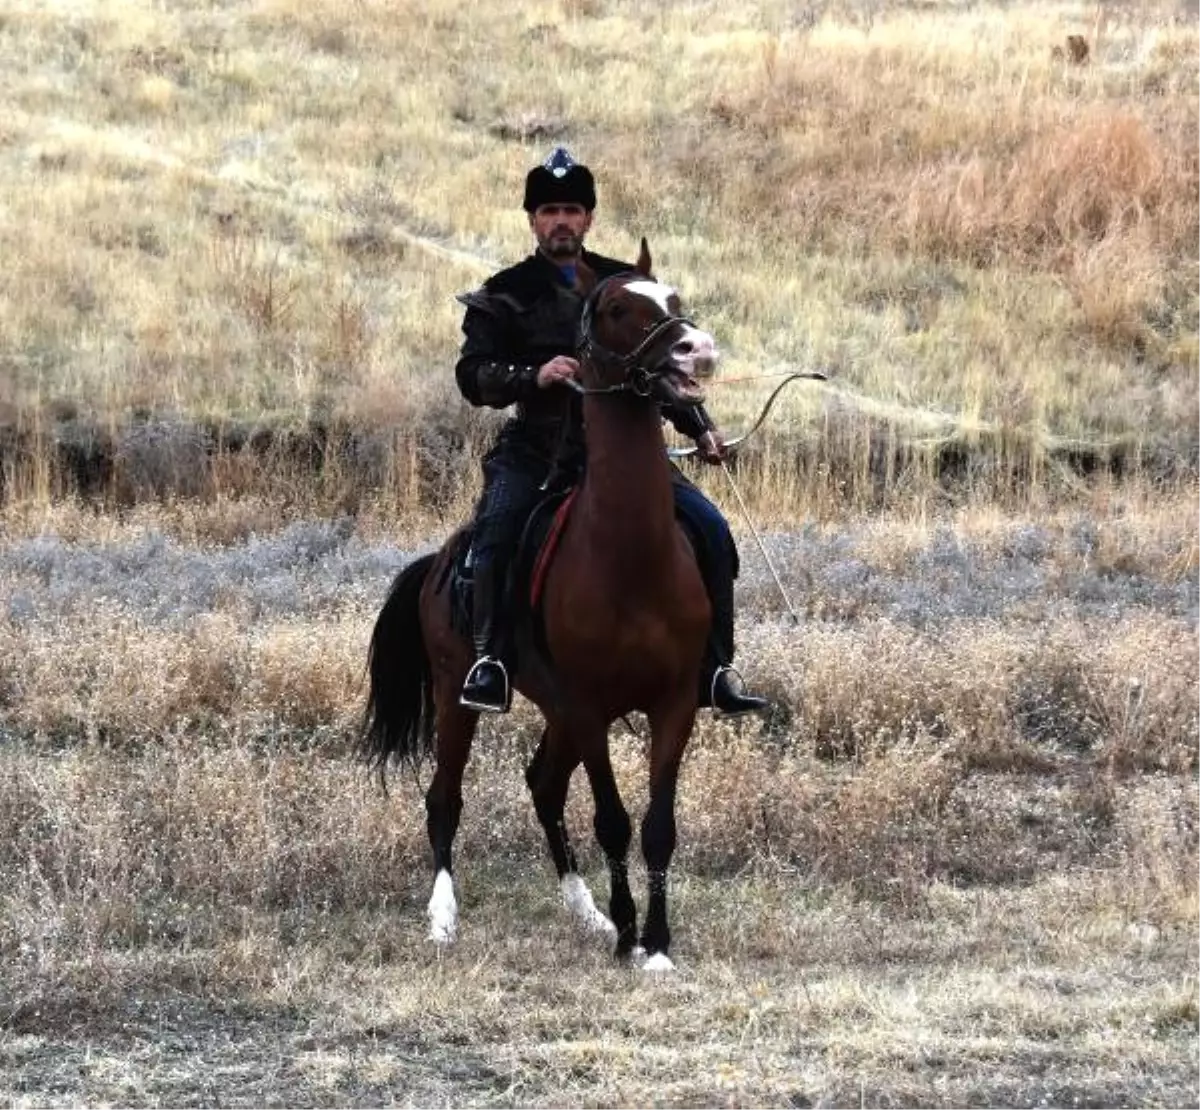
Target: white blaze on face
(653,291)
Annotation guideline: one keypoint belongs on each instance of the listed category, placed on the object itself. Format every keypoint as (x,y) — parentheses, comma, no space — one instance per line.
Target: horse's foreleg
(669,737)
(549,778)
(614,831)
(443,807)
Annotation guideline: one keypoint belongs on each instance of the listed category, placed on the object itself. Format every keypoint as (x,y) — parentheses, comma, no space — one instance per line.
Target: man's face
(559,229)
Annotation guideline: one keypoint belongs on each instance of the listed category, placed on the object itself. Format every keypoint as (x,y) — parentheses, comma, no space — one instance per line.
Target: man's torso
(541,315)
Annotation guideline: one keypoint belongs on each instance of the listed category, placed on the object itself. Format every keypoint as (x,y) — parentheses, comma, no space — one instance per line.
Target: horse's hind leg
(549,777)
(443,807)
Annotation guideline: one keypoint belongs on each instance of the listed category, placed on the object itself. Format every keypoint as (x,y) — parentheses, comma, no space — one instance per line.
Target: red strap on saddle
(549,546)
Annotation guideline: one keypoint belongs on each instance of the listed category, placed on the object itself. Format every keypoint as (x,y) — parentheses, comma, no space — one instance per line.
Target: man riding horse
(520,341)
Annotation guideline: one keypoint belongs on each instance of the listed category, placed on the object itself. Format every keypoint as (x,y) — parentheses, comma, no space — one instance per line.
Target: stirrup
(503,702)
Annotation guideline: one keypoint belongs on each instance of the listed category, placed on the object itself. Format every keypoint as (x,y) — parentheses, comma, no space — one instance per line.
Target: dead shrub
(1119,287)
(208,679)
(1104,174)
(1145,694)
(304,684)
(881,830)
(1076,51)
(1054,707)
(868,690)
(162,458)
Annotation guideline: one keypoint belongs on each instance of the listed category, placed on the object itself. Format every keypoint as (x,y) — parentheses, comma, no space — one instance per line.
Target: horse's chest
(644,638)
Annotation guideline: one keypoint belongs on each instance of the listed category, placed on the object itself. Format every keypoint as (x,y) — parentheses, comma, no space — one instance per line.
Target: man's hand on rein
(561,368)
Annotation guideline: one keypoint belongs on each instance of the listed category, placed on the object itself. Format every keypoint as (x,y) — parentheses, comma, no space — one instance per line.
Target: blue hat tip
(560,162)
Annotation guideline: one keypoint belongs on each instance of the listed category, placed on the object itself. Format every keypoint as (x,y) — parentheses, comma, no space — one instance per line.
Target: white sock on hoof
(578,899)
(660,961)
(443,910)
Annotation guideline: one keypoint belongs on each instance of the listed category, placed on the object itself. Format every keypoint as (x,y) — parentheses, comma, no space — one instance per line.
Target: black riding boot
(721,686)
(487,688)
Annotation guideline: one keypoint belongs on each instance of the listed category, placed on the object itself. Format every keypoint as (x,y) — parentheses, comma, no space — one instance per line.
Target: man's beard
(561,244)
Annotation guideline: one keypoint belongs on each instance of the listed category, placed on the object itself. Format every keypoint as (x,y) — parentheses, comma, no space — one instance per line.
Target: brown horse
(625,618)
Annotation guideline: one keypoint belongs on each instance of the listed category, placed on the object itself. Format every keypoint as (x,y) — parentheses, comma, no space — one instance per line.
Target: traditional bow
(810,375)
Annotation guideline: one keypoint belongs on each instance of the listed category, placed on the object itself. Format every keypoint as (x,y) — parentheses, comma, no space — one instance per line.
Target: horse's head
(634,338)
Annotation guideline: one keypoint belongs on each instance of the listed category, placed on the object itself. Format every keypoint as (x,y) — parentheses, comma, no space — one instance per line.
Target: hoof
(659,962)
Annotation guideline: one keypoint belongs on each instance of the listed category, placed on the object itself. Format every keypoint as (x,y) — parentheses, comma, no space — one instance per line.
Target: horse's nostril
(683,348)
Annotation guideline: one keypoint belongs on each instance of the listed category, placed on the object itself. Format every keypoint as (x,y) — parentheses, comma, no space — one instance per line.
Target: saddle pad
(546,552)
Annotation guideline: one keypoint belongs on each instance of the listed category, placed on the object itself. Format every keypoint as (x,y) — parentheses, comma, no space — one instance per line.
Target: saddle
(526,573)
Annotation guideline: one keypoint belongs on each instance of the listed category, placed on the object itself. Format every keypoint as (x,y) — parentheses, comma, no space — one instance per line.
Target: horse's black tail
(399,717)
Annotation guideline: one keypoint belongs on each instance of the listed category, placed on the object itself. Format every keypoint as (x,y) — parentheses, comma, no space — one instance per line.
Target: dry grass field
(957,864)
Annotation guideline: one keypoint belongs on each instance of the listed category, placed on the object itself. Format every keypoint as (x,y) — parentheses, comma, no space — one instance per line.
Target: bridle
(638,379)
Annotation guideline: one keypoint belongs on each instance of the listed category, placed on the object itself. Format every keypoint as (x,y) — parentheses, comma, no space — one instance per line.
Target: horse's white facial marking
(443,910)
(578,899)
(653,291)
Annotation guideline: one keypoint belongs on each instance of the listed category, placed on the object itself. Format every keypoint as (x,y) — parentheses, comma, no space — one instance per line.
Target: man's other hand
(711,448)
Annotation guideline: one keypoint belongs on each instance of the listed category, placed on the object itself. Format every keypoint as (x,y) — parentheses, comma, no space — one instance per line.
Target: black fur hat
(559,180)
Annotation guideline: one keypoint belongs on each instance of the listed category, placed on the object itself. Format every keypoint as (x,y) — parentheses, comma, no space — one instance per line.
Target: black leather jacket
(521,318)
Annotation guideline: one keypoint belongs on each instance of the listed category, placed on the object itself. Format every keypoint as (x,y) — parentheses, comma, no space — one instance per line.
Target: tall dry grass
(259,215)
(964,843)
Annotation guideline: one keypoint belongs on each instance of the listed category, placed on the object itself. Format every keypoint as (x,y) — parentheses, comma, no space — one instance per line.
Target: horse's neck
(627,484)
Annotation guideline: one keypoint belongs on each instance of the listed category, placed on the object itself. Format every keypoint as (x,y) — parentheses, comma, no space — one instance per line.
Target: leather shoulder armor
(520,285)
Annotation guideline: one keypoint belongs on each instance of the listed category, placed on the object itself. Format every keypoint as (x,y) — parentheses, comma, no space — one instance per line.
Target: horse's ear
(643,259)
